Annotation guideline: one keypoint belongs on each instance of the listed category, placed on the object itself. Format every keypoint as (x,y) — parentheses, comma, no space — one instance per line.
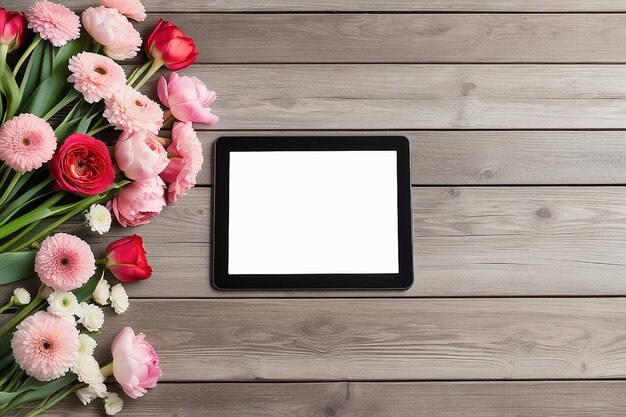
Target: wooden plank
(404,97)
(406,38)
(468,241)
(484,157)
(393,399)
(189,6)
(381,339)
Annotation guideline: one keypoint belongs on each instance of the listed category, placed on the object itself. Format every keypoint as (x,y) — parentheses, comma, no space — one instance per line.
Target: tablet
(312,213)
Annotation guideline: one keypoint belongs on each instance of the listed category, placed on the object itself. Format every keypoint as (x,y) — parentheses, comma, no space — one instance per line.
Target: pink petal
(193,112)
(162,92)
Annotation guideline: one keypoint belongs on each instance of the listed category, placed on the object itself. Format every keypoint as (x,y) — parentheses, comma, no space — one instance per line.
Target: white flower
(119,299)
(21,297)
(87,370)
(70,319)
(91,392)
(98,218)
(90,316)
(86,345)
(101,293)
(113,404)
(62,303)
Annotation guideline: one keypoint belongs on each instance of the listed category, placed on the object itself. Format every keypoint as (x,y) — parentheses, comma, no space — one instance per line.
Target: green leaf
(62,132)
(16,266)
(48,94)
(12,208)
(46,63)
(10,89)
(84,43)
(89,287)
(30,80)
(33,390)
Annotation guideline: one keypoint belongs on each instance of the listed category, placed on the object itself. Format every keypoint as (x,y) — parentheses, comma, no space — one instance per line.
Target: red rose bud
(169,45)
(12,29)
(126,259)
(82,166)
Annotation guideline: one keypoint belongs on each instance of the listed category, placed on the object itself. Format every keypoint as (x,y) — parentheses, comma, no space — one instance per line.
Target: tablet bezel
(222,280)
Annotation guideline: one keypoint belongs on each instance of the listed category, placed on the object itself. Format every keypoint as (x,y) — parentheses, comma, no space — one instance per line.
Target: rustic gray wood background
(515,110)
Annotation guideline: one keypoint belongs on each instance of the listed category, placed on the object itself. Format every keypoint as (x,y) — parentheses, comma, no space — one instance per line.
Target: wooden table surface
(516,113)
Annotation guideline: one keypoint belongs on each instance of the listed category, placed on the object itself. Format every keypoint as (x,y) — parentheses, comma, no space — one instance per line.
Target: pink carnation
(113,31)
(130,110)
(185,161)
(139,202)
(95,75)
(140,155)
(64,262)
(45,346)
(54,22)
(26,142)
(132,9)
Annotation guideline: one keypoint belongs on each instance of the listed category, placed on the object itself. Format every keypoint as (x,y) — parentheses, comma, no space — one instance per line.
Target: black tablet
(312,213)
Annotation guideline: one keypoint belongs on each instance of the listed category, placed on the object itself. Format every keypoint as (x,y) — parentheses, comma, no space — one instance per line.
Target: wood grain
(404,97)
(392,399)
(484,157)
(407,38)
(194,6)
(381,339)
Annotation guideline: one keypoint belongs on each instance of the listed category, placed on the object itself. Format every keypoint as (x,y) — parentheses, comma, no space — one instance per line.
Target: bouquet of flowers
(60,87)
(46,349)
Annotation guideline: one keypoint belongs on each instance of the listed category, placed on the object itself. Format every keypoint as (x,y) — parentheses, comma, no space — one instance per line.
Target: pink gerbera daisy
(96,76)
(131,111)
(64,262)
(45,346)
(132,9)
(185,161)
(26,142)
(54,22)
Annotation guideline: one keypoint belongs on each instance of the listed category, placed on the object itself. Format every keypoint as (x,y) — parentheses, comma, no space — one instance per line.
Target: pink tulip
(135,363)
(140,155)
(139,202)
(188,99)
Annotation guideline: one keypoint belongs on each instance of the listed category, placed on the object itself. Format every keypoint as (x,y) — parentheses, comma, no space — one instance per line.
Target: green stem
(71,96)
(107,370)
(7,192)
(23,233)
(99,129)
(26,53)
(154,67)
(137,72)
(40,213)
(34,305)
(54,400)
(4,49)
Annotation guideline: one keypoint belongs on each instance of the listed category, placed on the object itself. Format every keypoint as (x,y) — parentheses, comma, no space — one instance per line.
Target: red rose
(82,166)
(12,29)
(169,45)
(126,259)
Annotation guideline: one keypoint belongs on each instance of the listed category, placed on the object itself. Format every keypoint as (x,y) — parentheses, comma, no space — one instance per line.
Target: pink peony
(188,99)
(139,202)
(45,346)
(54,22)
(140,155)
(64,262)
(26,142)
(95,76)
(132,9)
(113,31)
(185,162)
(135,363)
(130,110)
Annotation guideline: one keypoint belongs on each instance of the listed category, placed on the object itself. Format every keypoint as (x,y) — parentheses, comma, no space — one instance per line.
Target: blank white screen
(318,212)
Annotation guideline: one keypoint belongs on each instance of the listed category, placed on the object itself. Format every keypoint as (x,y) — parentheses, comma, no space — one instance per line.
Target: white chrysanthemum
(101,293)
(98,218)
(21,297)
(113,404)
(62,303)
(87,370)
(70,319)
(90,316)
(86,345)
(91,392)
(119,299)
